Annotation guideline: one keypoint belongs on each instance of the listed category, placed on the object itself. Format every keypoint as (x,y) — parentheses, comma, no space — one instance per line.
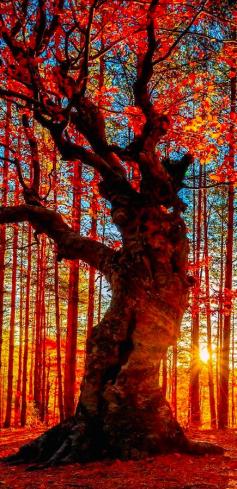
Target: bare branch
(50,175)
(40,25)
(5,92)
(179,38)
(42,34)
(116,187)
(145,68)
(70,244)
(18,25)
(18,169)
(72,151)
(19,173)
(84,68)
(212,185)
(15,46)
(156,124)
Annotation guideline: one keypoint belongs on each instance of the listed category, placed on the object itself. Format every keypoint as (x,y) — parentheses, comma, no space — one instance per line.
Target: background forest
(48,307)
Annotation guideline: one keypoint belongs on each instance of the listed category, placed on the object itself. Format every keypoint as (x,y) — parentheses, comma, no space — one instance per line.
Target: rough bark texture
(122,411)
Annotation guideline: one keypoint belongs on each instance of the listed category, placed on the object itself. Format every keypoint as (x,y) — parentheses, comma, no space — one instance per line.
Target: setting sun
(204,354)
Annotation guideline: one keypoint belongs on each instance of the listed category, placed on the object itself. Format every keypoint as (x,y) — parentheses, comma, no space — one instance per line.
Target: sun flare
(204,354)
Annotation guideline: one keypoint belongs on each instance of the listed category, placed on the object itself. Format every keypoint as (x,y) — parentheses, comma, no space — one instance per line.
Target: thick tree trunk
(122,411)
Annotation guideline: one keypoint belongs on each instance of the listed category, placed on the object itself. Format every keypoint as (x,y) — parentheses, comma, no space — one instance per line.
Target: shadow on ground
(172,471)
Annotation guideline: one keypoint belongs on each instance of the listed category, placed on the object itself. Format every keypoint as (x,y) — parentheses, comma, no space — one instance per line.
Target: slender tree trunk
(208,313)
(233,374)
(224,358)
(43,386)
(164,375)
(224,366)
(19,374)
(47,392)
(91,301)
(94,217)
(174,380)
(37,346)
(220,313)
(39,327)
(57,311)
(58,344)
(32,356)
(26,335)
(101,278)
(71,341)
(73,299)
(44,326)
(195,412)
(54,399)
(8,417)
(91,288)
(3,244)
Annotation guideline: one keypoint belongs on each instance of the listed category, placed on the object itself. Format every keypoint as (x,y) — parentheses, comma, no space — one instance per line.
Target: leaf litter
(172,471)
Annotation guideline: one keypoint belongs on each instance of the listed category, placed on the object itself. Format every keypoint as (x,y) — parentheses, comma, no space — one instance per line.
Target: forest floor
(173,471)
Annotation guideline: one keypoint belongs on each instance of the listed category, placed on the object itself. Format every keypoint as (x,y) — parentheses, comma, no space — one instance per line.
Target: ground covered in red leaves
(161,472)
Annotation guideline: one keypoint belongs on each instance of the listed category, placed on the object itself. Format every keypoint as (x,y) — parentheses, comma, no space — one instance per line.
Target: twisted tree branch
(70,244)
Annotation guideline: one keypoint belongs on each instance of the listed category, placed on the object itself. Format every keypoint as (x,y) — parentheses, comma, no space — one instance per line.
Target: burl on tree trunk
(121,411)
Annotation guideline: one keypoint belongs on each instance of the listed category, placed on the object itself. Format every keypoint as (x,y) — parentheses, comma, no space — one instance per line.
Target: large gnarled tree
(121,410)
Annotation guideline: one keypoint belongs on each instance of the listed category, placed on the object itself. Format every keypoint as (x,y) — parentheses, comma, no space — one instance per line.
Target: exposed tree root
(76,440)
(44,447)
(202,448)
